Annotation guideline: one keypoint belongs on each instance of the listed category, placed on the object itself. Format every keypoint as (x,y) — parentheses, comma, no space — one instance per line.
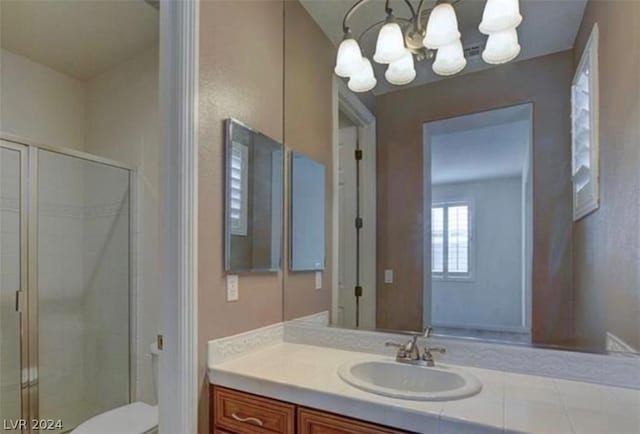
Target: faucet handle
(427,332)
(402,351)
(393,344)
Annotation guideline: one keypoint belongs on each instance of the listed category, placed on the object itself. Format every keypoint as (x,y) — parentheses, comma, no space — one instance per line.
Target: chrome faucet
(410,352)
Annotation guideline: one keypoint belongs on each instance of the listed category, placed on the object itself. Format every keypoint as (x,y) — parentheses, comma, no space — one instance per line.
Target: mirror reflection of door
(348,136)
(356,199)
(481,224)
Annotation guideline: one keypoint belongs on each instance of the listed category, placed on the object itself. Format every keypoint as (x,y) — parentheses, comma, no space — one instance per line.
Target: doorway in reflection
(479,252)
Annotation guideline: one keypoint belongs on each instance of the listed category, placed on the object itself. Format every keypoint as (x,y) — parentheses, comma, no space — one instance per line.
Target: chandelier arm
(418,18)
(356,6)
(410,6)
(350,12)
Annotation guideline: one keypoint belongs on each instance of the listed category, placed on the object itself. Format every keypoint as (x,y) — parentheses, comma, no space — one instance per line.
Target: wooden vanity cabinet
(320,422)
(234,412)
(241,413)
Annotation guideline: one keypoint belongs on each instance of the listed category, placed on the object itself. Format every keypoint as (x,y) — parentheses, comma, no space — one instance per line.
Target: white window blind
(451,240)
(238,191)
(458,239)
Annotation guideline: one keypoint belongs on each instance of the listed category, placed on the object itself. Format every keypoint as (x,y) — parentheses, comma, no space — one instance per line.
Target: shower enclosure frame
(27,296)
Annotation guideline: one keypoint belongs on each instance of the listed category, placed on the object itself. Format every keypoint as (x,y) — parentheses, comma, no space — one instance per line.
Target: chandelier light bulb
(442,27)
(363,80)
(390,43)
(349,58)
(500,15)
(449,59)
(502,47)
(402,71)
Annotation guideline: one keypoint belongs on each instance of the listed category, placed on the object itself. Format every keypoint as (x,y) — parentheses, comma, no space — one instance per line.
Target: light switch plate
(233,292)
(318,279)
(388,276)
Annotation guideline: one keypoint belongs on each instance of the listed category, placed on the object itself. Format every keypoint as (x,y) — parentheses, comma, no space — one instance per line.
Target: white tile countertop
(509,402)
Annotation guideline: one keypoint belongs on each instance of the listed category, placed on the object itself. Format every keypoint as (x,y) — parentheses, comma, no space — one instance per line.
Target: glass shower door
(12,280)
(83,279)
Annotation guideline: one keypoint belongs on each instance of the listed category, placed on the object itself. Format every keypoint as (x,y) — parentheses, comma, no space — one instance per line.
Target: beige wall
(606,242)
(122,123)
(241,76)
(309,61)
(247,78)
(41,104)
(543,81)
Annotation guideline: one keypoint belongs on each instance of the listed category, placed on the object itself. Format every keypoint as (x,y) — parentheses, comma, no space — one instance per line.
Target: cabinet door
(243,413)
(317,422)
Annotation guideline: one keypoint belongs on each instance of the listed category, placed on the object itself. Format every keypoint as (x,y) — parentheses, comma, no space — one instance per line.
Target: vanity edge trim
(229,347)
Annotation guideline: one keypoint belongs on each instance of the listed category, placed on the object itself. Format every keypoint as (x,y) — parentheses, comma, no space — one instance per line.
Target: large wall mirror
(254,200)
(489,192)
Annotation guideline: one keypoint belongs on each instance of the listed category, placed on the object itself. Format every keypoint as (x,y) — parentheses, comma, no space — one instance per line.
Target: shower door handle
(19,301)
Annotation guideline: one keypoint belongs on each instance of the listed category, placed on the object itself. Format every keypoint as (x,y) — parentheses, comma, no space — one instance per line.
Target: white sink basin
(404,381)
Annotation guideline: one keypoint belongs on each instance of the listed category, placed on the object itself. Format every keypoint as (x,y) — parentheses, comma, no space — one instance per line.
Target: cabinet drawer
(243,413)
(316,422)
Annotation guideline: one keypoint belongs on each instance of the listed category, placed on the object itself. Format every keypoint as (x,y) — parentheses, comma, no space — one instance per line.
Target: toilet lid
(134,418)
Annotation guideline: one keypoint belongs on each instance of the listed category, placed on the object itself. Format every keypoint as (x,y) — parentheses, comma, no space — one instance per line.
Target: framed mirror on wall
(307,214)
(480,224)
(254,200)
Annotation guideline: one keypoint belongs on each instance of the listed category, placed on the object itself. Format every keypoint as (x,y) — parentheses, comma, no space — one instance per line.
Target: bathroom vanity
(285,379)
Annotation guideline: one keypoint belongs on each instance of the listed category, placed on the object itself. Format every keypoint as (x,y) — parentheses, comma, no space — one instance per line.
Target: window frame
(445,275)
(586,180)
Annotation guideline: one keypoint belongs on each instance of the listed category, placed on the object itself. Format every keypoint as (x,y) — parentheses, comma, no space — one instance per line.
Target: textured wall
(241,76)
(543,81)
(308,128)
(607,283)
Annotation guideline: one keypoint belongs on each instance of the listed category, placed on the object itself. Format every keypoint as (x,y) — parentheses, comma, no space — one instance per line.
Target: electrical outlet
(388,276)
(233,292)
(318,279)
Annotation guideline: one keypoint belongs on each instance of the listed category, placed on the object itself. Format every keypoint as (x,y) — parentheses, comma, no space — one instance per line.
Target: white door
(348,200)
(347,140)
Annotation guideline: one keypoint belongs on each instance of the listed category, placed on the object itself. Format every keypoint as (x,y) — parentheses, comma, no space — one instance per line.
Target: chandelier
(401,39)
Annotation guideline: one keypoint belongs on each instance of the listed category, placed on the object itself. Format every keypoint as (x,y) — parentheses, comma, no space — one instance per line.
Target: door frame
(346,101)
(26,392)
(179,71)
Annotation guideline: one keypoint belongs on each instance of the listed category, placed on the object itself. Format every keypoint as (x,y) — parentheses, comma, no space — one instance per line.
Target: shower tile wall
(83,282)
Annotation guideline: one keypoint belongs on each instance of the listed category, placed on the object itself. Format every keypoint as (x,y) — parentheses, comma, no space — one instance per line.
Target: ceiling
(80,38)
(548,26)
(484,145)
